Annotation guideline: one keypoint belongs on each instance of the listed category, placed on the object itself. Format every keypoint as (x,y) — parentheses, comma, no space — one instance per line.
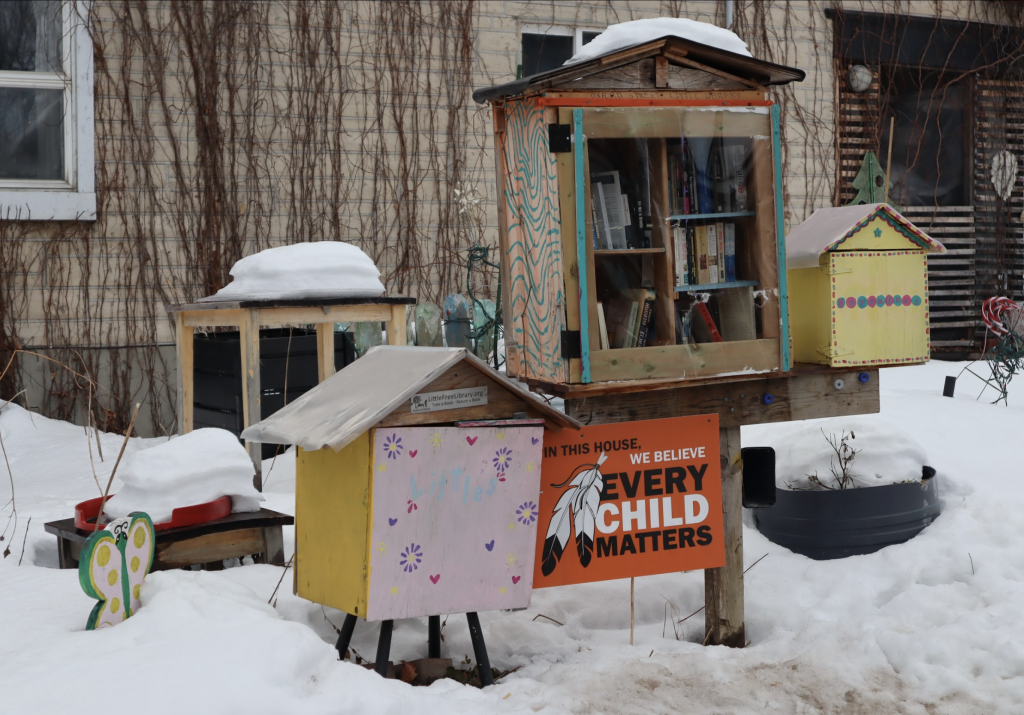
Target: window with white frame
(46,111)
(545,47)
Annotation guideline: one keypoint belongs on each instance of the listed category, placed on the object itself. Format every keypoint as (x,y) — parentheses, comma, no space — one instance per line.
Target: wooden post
(184,342)
(723,587)
(396,326)
(325,350)
(249,337)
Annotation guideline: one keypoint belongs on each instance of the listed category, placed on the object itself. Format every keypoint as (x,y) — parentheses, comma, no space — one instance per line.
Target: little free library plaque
(449,399)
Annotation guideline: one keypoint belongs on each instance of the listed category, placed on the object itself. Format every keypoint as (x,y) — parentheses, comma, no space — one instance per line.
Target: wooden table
(256,534)
(248,316)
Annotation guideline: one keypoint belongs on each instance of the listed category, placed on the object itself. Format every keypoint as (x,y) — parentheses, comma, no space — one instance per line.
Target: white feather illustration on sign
(576,508)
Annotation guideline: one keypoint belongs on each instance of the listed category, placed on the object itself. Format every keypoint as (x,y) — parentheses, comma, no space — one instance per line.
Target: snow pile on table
(323,269)
(885,453)
(637,32)
(196,468)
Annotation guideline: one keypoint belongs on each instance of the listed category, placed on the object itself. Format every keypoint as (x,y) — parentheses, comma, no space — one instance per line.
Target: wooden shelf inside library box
(649,131)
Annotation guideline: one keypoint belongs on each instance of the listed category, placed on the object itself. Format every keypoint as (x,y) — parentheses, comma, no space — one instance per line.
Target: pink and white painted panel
(454,519)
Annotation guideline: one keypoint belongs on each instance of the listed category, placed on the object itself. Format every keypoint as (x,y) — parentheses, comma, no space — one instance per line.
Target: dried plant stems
(127,435)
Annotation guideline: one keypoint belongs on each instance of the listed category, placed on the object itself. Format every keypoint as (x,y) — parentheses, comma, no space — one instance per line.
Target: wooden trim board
(800,395)
(688,360)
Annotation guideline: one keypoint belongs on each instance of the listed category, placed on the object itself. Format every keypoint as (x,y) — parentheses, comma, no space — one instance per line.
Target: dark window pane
(929,165)
(588,36)
(30,35)
(31,133)
(545,52)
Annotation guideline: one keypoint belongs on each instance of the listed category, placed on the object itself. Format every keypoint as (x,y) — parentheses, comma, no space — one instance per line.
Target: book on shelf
(602,327)
(646,323)
(720,234)
(712,234)
(717,186)
(703,325)
(730,251)
(600,216)
(614,211)
(621,319)
(703,273)
(682,255)
(735,155)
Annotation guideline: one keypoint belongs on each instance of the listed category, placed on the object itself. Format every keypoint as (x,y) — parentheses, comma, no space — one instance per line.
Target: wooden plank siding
(534,250)
(952,276)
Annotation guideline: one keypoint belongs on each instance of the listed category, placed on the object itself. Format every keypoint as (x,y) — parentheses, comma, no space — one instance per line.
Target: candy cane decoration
(995,310)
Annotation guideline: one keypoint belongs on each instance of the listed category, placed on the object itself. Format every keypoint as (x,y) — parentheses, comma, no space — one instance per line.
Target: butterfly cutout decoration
(112,566)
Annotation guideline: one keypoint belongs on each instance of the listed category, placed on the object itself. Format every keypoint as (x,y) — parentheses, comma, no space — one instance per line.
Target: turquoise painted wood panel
(536,285)
(780,237)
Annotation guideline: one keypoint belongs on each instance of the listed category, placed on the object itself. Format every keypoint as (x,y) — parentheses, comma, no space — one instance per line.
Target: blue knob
(864,377)
(768,399)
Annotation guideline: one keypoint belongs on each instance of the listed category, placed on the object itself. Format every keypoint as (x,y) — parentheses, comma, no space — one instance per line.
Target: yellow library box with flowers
(858,287)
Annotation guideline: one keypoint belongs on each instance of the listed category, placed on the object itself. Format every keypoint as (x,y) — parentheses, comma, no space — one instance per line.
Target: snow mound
(886,454)
(637,32)
(195,468)
(324,269)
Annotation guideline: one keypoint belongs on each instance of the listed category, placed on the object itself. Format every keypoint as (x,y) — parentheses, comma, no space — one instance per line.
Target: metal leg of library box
(345,636)
(434,637)
(476,635)
(383,648)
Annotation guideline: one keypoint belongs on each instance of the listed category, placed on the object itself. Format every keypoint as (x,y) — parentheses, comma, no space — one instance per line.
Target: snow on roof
(827,228)
(321,269)
(354,399)
(637,32)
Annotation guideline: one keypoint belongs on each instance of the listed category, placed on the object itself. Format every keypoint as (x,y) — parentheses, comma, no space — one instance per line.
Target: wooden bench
(256,534)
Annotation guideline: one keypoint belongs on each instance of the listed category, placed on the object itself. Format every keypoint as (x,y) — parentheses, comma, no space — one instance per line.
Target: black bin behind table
(218,374)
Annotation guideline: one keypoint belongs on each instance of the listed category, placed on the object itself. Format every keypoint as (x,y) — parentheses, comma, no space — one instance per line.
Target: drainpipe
(729,9)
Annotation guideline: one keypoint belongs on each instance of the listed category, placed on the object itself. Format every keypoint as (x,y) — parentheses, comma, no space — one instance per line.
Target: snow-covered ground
(931,626)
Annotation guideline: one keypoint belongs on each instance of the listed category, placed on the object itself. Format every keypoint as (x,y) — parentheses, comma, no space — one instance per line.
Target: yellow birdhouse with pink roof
(858,287)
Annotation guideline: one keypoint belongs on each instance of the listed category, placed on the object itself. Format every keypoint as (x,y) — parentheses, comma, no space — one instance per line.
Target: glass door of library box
(680,232)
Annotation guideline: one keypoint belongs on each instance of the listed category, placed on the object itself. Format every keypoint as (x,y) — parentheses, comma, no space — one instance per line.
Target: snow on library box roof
(355,398)
(827,228)
(637,32)
(695,42)
(321,269)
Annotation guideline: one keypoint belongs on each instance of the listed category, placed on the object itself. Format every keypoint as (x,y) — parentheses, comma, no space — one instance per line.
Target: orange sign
(630,499)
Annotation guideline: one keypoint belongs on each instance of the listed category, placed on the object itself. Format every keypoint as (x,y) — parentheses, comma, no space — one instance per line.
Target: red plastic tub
(85,514)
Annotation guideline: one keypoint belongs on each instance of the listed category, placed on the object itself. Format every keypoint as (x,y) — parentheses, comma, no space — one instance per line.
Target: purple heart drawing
(534,440)
(490,545)
(515,579)
(435,579)
(413,452)
(392,522)
(472,440)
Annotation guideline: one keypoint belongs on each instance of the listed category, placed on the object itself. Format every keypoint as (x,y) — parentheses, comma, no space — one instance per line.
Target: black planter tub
(831,524)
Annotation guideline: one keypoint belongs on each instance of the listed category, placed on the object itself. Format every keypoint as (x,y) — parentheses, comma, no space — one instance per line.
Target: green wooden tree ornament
(112,566)
(870,182)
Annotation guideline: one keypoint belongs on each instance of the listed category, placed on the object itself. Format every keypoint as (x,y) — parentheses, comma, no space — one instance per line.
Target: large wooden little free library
(640,216)
(640,209)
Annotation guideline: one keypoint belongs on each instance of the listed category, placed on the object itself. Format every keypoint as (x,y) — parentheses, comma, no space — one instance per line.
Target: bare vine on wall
(226,127)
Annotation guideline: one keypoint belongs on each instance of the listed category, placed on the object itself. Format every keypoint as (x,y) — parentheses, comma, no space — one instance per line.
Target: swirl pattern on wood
(536,285)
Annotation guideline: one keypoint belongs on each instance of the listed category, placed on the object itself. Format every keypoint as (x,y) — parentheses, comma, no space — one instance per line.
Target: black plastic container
(217,374)
(831,524)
